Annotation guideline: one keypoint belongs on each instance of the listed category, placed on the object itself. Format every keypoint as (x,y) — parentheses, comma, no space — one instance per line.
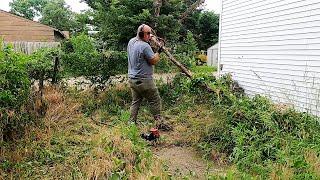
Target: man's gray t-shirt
(139,54)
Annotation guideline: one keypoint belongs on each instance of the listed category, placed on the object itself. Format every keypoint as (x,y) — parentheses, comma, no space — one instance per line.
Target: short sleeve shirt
(139,55)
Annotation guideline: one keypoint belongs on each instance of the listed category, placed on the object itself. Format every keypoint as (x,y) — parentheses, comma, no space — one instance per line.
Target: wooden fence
(30,47)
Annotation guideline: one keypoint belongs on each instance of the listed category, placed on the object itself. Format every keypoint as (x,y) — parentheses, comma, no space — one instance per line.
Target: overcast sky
(76,6)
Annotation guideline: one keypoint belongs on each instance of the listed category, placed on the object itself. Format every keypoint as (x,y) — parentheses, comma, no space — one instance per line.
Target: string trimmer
(157,43)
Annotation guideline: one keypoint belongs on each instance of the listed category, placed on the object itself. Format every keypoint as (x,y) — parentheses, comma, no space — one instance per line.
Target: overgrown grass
(71,145)
(260,138)
(86,135)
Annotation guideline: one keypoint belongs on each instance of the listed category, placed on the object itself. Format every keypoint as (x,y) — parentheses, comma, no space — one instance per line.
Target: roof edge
(28,20)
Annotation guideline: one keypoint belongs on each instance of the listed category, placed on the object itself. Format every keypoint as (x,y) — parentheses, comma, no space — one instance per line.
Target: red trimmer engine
(154,135)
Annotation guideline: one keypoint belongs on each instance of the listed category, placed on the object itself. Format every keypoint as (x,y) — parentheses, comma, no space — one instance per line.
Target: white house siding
(272,47)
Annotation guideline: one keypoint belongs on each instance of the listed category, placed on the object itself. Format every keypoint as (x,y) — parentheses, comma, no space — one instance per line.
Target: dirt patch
(176,151)
(185,162)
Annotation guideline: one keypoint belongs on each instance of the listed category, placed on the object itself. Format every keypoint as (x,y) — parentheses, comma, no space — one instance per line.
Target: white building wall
(273,48)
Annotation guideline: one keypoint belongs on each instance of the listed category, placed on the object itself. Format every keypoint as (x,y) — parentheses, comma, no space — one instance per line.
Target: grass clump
(204,69)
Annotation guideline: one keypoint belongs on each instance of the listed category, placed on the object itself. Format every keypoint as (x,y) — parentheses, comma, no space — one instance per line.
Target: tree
(189,45)
(54,13)
(58,15)
(207,29)
(117,21)
(82,20)
(27,8)
(191,9)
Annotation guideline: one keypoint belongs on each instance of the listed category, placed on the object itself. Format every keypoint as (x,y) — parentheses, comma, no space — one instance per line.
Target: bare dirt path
(184,161)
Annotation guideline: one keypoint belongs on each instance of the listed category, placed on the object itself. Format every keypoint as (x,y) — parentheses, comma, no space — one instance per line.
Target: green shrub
(14,91)
(14,81)
(165,65)
(81,58)
(41,64)
(185,59)
(189,45)
(170,93)
(116,62)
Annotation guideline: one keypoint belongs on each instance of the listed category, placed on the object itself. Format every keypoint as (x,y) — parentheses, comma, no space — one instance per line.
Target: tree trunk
(157,6)
(193,7)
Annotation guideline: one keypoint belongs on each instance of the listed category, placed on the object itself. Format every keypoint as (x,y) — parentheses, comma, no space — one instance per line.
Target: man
(141,59)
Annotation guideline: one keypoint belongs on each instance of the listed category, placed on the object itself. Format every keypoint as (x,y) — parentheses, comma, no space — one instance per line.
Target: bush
(185,59)
(81,58)
(189,45)
(14,81)
(165,65)
(14,90)
(41,64)
(170,93)
(116,62)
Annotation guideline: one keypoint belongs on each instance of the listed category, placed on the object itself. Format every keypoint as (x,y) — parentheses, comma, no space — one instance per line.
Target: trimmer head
(154,135)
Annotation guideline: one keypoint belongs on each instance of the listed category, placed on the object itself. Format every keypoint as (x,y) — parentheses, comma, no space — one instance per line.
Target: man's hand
(157,44)
(160,50)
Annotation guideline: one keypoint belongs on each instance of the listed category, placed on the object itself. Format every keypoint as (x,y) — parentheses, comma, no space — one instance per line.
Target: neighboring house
(24,32)
(273,48)
(212,55)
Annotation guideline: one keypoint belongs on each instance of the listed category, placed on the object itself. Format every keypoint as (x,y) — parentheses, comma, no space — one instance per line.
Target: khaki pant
(144,88)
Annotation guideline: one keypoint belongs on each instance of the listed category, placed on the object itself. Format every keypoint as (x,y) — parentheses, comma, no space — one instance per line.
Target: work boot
(161,124)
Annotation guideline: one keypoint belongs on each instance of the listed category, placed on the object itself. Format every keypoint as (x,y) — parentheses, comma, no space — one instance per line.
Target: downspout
(219,43)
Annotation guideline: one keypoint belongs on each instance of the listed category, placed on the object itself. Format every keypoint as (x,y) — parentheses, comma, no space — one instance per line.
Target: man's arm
(155,59)
(151,57)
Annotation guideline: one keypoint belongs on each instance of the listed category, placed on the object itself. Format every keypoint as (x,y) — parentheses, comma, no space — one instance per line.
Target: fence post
(55,70)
